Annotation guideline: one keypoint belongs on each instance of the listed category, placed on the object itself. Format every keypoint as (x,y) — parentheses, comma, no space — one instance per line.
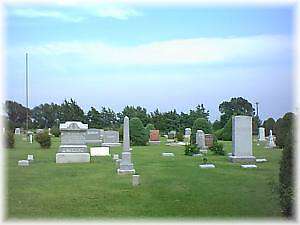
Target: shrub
(149,127)
(191,149)
(9,139)
(43,139)
(283,127)
(269,124)
(179,136)
(227,132)
(55,131)
(219,133)
(138,134)
(217,148)
(200,124)
(120,133)
(286,175)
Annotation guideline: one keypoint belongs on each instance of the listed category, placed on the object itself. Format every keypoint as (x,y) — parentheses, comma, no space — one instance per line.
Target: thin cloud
(33,13)
(117,12)
(174,52)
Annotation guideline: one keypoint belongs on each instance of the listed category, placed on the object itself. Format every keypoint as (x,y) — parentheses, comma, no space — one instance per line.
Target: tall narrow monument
(126,166)
(242,139)
(261,134)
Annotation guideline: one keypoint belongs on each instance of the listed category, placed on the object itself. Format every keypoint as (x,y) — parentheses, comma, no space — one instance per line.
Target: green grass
(171,187)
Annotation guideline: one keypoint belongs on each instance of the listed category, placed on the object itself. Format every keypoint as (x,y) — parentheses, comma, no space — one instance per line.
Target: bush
(138,134)
(227,132)
(219,133)
(269,124)
(120,133)
(200,124)
(55,131)
(217,148)
(149,127)
(43,139)
(283,127)
(9,139)
(191,149)
(286,175)
(179,136)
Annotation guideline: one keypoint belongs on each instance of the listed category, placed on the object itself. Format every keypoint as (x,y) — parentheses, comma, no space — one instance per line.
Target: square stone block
(72,157)
(23,163)
(100,151)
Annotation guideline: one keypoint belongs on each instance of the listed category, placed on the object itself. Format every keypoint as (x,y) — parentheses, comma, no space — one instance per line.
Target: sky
(153,56)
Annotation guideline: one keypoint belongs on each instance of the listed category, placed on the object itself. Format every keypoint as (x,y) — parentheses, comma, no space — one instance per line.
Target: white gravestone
(73,148)
(248,166)
(200,140)
(100,151)
(242,139)
(18,131)
(126,166)
(93,136)
(207,166)
(115,156)
(271,143)
(261,160)
(30,157)
(261,134)
(135,180)
(111,138)
(23,163)
(167,154)
(30,138)
(187,131)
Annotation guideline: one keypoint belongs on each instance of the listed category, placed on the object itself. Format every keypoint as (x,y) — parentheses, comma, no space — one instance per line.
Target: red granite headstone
(154,135)
(209,139)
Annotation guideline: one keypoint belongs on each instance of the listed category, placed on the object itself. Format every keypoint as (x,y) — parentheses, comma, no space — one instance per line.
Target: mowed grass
(171,187)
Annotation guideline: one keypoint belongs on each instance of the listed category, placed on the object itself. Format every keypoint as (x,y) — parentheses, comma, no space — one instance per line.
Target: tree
(200,124)
(70,111)
(236,106)
(283,127)
(149,127)
(217,125)
(45,115)
(132,112)
(16,113)
(256,123)
(269,124)
(286,177)
(227,131)
(138,134)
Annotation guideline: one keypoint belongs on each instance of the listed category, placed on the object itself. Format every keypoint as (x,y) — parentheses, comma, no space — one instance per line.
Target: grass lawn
(170,186)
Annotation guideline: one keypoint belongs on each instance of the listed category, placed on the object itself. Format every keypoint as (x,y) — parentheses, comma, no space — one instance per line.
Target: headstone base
(126,171)
(72,157)
(154,142)
(23,163)
(111,144)
(237,159)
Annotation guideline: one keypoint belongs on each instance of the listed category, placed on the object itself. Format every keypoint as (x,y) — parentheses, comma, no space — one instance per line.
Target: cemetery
(90,173)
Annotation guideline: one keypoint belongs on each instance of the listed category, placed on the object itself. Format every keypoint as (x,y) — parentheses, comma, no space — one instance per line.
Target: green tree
(283,127)
(269,124)
(286,177)
(108,118)
(256,123)
(227,131)
(70,111)
(138,134)
(16,113)
(45,115)
(132,112)
(236,106)
(217,125)
(149,127)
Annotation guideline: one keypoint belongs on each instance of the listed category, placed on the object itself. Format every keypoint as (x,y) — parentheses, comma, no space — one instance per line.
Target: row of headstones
(241,143)
(262,137)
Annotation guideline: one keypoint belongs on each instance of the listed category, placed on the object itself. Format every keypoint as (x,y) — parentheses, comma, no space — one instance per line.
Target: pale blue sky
(152,56)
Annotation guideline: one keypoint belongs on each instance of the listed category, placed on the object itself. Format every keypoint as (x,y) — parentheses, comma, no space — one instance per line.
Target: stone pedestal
(72,158)
(241,139)
(135,180)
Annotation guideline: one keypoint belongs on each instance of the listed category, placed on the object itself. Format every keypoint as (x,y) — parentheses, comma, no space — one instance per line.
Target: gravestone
(23,163)
(172,134)
(187,131)
(209,140)
(126,166)
(248,166)
(49,131)
(271,143)
(73,148)
(93,136)
(207,166)
(242,139)
(30,157)
(115,156)
(167,154)
(30,136)
(135,180)
(99,151)
(261,134)
(200,140)
(111,138)
(154,137)
(18,131)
